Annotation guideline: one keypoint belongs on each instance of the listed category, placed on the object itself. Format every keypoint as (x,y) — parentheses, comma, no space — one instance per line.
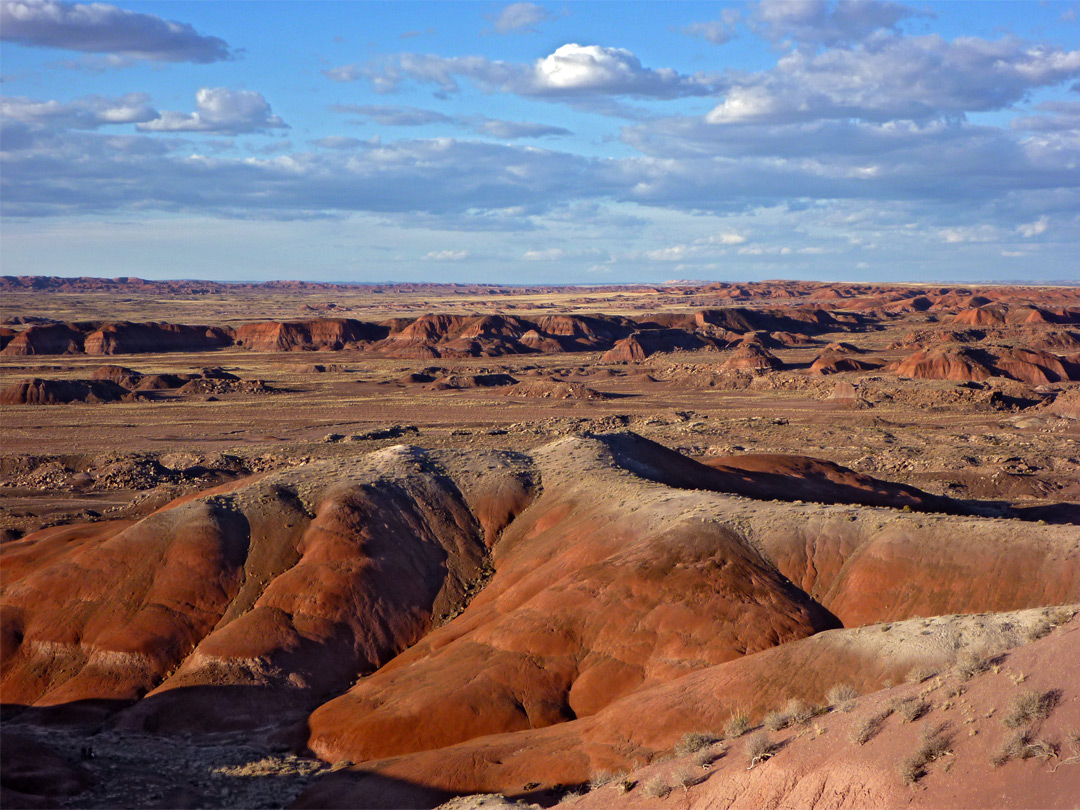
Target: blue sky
(541,142)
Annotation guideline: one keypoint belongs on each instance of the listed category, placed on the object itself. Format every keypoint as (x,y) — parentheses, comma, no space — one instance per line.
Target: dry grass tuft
(841,695)
(602,778)
(920,674)
(708,756)
(686,778)
(656,788)
(738,724)
(911,708)
(759,748)
(695,741)
(973,662)
(1029,706)
(867,728)
(934,745)
(1038,630)
(794,713)
(774,721)
(799,713)
(1023,745)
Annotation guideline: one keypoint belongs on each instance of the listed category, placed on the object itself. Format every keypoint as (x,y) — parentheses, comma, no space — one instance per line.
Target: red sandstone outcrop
(1032,366)
(592,598)
(552,389)
(504,638)
(643,344)
(126,377)
(961,363)
(281,589)
(751,357)
(981,316)
(647,720)
(457,382)
(38,391)
(585,332)
(143,338)
(1054,340)
(834,362)
(946,363)
(1067,404)
(53,338)
(320,333)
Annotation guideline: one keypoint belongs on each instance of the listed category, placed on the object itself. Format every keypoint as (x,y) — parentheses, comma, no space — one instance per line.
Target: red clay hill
(455,622)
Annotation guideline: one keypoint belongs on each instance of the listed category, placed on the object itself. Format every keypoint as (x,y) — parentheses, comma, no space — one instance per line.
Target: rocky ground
(125,769)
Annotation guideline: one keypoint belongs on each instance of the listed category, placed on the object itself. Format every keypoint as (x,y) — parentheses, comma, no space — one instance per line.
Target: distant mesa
(832,361)
(320,333)
(435,336)
(641,345)
(147,338)
(752,357)
(113,383)
(38,391)
(963,363)
(57,338)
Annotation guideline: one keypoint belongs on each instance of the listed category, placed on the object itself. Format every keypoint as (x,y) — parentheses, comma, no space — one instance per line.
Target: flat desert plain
(387,546)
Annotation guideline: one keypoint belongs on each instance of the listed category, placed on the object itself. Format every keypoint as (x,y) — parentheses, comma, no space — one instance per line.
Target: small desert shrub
(737,724)
(656,788)
(626,784)
(1023,745)
(1029,706)
(932,746)
(708,756)
(910,770)
(686,778)
(598,780)
(695,741)
(973,662)
(1039,629)
(865,729)
(774,721)
(919,674)
(840,693)
(910,708)
(759,748)
(1059,615)
(798,712)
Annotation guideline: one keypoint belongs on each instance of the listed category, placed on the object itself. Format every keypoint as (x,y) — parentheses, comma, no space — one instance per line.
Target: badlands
(780,544)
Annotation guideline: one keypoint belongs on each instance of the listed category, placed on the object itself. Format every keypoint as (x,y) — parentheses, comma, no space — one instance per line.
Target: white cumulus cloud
(570,71)
(102,28)
(89,112)
(896,77)
(219,109)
